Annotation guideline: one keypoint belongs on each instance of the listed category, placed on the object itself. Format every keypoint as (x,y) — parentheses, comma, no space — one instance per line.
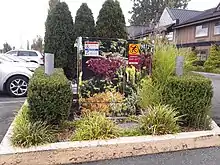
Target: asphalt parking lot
(8,108)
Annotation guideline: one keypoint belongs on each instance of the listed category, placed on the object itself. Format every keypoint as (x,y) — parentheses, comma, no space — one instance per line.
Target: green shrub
(191,95)
(159,120)
(213,60)
(131,104)
(93,86)
(95,126)
(49,97)
(27,134)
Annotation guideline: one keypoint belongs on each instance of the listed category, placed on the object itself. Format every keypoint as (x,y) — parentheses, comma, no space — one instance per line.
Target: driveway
(215,113)
(8,109)
(208,156)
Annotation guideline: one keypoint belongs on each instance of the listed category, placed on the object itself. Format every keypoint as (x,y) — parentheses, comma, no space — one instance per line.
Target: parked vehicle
(14,76)
(28,55)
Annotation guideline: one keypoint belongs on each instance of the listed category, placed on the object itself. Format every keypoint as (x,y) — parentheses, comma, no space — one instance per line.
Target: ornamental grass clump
(95,126)
(27,134)
(159,120)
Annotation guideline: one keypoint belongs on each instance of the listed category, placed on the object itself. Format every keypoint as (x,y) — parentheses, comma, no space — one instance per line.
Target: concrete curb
(206,73)
(86,151)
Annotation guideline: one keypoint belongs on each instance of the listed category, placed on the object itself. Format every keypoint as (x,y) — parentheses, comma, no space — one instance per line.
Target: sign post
(133,54)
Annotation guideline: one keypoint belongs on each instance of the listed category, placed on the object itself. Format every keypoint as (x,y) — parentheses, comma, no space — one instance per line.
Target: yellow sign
(134,49)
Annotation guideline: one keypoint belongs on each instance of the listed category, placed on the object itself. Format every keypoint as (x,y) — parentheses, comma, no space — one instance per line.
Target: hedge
(49,97)
(191,95)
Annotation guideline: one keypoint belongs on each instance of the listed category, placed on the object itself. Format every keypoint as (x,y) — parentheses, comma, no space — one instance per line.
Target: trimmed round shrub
(191,95)
(49,97)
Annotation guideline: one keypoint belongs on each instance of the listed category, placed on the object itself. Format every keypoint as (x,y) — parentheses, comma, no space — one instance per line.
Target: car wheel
(17,86)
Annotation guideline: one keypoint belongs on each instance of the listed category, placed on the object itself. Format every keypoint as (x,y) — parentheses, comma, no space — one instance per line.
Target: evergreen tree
(6,47)
(144,11)
(84,22)
(59,38)
(213,61)
(111,21)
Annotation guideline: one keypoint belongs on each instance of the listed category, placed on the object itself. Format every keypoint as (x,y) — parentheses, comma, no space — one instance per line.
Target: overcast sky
(22,20)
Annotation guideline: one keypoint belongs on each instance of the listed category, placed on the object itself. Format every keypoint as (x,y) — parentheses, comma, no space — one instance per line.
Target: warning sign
(134,49)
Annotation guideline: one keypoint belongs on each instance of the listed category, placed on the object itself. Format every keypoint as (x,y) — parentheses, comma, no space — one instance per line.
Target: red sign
(133,59)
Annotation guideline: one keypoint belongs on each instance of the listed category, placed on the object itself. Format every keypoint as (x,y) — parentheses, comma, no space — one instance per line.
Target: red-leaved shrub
(105,67)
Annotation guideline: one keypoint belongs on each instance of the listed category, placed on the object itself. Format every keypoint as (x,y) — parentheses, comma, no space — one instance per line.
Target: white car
(28,55)
(14,76)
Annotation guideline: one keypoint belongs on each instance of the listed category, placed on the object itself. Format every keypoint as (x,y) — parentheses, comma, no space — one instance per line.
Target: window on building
(202,30)
(203,55)
(217,28)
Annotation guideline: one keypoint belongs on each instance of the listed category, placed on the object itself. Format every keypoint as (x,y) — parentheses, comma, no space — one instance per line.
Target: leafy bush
(95,126)
(110,103)
(191,95)
(159,120)
(213,60)
(49,97)
(105,67)
(27,134)
(94,86)
(131,104)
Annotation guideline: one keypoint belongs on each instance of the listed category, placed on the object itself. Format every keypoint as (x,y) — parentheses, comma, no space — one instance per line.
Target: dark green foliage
(93,86)
(191,95)
(111,21)
(84,22)
(213,61)
(49,97)
(144,11)
(59,37)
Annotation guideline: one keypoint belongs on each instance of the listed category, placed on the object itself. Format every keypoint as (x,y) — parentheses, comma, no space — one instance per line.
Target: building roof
(139,30)
(182,15)
(203,17)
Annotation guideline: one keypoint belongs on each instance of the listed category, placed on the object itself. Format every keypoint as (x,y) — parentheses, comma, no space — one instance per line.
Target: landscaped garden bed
(145,105)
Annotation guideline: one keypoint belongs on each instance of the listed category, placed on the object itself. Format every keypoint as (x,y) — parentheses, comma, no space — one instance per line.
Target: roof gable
(205,15)
(182,15)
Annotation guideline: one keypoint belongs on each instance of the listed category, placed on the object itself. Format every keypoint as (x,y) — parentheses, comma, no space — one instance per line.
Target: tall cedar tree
(59,38)
(111,21)
(84,22)
(144,11)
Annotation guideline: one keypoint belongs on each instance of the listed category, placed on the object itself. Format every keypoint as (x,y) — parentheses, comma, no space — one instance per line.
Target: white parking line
(10,102)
